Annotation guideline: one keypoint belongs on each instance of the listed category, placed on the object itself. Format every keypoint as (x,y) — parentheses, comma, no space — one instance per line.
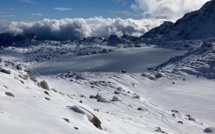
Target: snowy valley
(161,82)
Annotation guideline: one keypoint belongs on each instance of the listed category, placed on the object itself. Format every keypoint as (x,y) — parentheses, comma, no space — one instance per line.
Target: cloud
(29,1)
(171,9)
(126,13)
(37,14)
(78,28)
(63,9)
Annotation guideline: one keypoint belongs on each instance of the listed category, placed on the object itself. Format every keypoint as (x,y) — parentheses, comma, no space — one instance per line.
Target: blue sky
(34,10)
(24,10)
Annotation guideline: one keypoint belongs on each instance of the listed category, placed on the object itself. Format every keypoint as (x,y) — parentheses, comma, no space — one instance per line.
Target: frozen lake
(129,59)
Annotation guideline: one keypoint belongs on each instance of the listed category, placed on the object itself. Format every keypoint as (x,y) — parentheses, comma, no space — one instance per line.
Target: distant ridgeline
(7,39)
(197,25)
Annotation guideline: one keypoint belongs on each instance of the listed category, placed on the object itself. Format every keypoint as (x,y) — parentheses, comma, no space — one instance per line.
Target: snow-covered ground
(128,103)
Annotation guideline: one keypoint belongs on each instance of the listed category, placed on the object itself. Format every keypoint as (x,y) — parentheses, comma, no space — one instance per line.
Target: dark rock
(180,122)
(158,75)
(5,71)
(47,93)
(18,67)
(103,100)
(123,71)
(209,130)
(47,98)
(120,89)
(82,96)
(116,92)
(142,109)
(22,81)
(9,94)
(191,118)
(136,97)
(76,128)
(67,120)
(175,111)
(95,97)
(115,98)
(158,129)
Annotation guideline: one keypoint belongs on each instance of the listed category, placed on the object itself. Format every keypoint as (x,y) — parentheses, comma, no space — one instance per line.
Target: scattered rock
(44,85)
(47,98)
(173,115)
(54,90)
(82,96)
(19,67)
(180,122)
(120,89)
(92,118)
(209,130)
(158,75)
(136,97)
(142,109)
(5,71)
(116,92)
(158,129)
(103,100)
(76,128)
(5,86)
(173,83)
(191,118)
(123,71)
(80,101)
(95,97)
(175,111)
(47,93)
(67,120)
(9,94)
(22,81)
(115,98)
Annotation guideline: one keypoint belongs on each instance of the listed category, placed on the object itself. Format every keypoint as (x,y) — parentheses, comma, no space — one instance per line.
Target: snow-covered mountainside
(195,25)
(117,85)
(97,102)
(199,61)
(159,31)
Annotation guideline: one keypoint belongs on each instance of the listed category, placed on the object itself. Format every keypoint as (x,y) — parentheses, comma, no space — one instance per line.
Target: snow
(68,108)
(101,89)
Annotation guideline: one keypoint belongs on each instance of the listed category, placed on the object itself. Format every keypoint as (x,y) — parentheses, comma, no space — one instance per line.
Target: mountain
(159,31)
(195,25)
(199,62)
(7,39)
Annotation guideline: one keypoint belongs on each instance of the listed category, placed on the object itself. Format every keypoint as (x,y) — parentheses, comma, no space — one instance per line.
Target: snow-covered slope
(109,103)
(195,25)
(159,31)
(118,101)
(199,61)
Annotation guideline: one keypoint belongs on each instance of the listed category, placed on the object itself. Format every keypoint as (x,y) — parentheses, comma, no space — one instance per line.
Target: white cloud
(126,13)
(63,9)
(29,1)
(37,14)
(79,28)
(171,9)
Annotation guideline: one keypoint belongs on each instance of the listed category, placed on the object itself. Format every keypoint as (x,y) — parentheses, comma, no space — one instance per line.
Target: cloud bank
(170,9)
(78,28)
